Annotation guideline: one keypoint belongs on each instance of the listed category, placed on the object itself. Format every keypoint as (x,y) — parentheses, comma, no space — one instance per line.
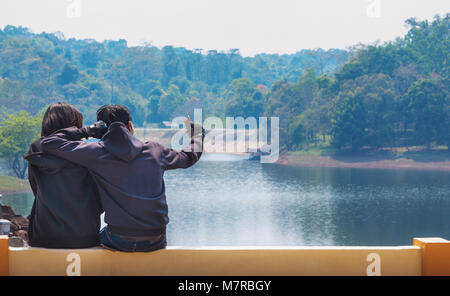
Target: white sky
(253,26)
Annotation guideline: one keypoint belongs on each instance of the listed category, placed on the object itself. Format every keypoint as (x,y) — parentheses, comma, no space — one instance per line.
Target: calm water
(245,203)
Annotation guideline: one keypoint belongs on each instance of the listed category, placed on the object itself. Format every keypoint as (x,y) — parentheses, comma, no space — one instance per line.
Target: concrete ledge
(223,261)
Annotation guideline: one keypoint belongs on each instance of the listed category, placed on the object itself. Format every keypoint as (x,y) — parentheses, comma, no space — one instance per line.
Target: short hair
(112,113)
(58,116)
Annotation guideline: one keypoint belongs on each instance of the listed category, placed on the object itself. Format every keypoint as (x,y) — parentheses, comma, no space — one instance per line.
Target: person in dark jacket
(129,175)
(66,210)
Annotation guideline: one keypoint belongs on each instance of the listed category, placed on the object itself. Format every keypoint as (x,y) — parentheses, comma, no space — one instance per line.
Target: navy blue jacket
(66,209)
(129,175)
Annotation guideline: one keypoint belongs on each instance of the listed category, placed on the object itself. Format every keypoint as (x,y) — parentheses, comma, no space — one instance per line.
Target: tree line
(157,83)
(389,95)
(367,97)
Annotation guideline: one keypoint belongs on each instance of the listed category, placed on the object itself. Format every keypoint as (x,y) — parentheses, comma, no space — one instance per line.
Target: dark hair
(58,116)
(111,113)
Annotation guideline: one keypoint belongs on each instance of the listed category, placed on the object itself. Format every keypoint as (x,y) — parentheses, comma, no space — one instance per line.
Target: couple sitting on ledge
(75,181)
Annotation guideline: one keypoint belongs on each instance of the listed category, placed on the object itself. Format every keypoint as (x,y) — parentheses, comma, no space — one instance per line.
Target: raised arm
(171,159)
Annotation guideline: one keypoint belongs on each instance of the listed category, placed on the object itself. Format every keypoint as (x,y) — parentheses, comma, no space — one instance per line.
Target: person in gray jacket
(129,175)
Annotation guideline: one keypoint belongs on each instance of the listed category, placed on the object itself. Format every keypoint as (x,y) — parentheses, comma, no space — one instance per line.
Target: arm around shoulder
(67,144)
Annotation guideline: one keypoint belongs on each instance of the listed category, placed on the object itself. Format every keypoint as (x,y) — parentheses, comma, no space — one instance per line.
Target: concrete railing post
(435,255)
(4,224)
(4,255)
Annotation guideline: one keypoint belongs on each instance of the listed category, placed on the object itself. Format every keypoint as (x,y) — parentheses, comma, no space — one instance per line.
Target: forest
(373,96)
(39,69)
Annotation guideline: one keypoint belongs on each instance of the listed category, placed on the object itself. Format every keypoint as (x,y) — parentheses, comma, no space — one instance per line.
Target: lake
(226,201)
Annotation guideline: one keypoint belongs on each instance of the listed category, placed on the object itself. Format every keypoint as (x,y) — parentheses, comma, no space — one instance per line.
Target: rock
(23,234)
(16,242)
(19,224)
(13,227)
(21,221)
(7,211)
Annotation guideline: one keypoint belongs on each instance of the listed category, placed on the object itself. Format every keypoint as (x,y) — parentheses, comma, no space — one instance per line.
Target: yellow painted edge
(4,255)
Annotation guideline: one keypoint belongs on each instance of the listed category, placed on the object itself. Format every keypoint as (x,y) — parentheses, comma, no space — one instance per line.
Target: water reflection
(20,202)
(247,203)
(373,207)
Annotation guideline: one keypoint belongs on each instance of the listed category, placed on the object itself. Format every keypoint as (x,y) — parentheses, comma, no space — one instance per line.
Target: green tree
(181,82)
(428,42)
(69,74)
(153,102)
(303,129)
(244,99)
(91,55)
(17,132)
(426,105)
(364,113)
(169,102)
(348,122)
(172,65)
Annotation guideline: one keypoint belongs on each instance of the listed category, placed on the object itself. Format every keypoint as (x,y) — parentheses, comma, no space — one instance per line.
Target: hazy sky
(253,26)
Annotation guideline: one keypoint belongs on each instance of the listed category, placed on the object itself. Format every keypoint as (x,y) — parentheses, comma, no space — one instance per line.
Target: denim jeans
(108,240)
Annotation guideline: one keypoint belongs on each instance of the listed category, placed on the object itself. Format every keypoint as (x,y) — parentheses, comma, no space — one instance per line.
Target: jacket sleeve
(32,180)
(67,144)
(172,159)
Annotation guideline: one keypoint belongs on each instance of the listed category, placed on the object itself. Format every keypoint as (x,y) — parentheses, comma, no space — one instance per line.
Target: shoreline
(13,191)
(428,162)
(361,162)
(12,185)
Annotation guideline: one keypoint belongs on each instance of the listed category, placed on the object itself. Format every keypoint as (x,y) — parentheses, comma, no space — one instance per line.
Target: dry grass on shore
(412,159)
(13,185)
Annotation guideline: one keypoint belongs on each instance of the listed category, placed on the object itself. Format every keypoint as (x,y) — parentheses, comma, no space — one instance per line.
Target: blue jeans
(108,240)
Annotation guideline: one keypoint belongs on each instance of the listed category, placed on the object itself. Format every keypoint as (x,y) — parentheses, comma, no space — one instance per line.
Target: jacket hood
(121,143)
(45,162)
